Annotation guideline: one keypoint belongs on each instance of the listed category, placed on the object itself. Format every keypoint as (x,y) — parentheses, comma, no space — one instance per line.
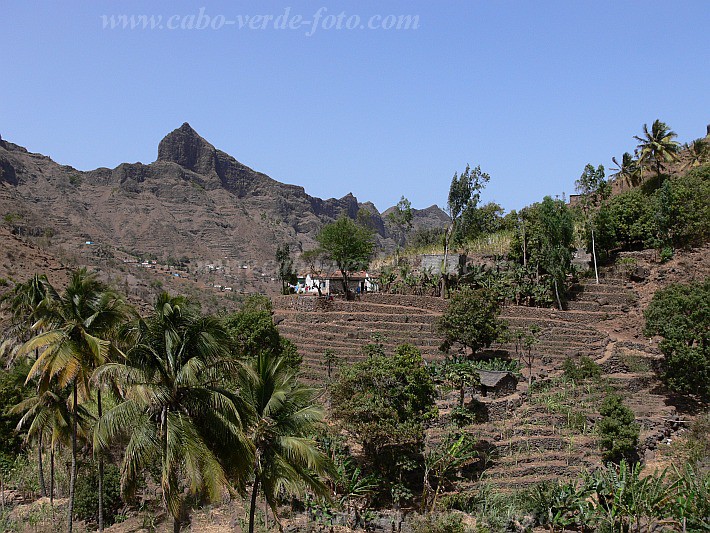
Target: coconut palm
(176,408)
(698,153)
(76,326)
(628,171)
(26,304)
(657,146)
(49,413)
(284,415)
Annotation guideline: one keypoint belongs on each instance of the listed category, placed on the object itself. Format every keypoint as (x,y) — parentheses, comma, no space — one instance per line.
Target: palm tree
(283,416)
(74,342)
(176,407)
(26,304)
(657,146)
(628,171)
(698,153)
(49,412)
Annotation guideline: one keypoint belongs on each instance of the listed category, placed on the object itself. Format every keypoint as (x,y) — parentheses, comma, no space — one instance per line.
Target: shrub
(438,523)
(618,431)
(581,369)
(681,315)
(86,503)
(466,501)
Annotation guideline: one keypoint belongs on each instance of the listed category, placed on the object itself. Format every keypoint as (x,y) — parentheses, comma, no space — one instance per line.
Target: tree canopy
(348,244)
(471,319)
(680,313)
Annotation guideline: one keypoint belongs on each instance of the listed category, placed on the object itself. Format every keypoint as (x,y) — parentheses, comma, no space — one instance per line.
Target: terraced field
(529,436)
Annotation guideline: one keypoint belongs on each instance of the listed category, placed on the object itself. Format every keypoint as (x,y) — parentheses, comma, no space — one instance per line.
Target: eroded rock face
(194,200)
(186,148)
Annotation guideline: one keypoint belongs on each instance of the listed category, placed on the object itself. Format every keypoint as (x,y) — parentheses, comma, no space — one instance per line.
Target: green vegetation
(286,273)
(681,315)
(594,190)
(206,406)
(383,402)
(280,418)
(620,498)
(184,393)
(400,223)
(348,244)
(674,215)
(471,319)
(618,431)
(657,147)
(581,369)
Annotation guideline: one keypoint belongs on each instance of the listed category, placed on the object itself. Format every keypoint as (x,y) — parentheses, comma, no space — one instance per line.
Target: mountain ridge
(194,201)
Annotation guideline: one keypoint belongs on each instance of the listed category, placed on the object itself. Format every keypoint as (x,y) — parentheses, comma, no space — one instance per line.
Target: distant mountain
(194,201)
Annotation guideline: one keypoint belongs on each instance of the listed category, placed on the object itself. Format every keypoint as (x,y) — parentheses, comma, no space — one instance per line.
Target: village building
(332,283)
(496,383)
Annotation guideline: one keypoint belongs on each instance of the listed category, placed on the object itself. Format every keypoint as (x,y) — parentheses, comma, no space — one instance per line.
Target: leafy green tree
(631,214)
(176,408)
(253,331)
(594,190)
(77,326)
(553,232)
(400,222)
(618,430)
(252,328)
(484,220)
(471,319)
(285,261)
(530,339)
(657,146)
(461,374)
(682,209)
(464,194)
(680,313)
(283,414)
(384,401)
(348,244)
(12,392)
(330,361)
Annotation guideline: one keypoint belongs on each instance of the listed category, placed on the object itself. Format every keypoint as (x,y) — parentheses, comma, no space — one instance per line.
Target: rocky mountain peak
(185,147)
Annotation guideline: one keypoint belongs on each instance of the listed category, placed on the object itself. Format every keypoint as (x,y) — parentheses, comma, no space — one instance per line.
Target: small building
(497,383)
(332,283)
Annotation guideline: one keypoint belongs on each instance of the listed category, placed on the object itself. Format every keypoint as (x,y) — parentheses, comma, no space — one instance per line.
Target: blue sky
(531,91)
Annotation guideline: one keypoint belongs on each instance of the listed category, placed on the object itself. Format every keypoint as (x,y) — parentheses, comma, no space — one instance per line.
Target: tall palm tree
(26,304)
(176,407)
(627,171)
(284,415)
(74,342)
(698,153)
(657,146)
(49,412)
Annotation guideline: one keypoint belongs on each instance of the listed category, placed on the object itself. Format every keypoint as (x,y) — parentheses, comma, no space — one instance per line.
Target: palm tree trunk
(42,484)
(101,469)
(51,476)
(252,508)
(72,477)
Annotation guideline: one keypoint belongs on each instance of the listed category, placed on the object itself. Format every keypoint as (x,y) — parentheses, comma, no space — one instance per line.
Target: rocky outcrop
(194,201)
